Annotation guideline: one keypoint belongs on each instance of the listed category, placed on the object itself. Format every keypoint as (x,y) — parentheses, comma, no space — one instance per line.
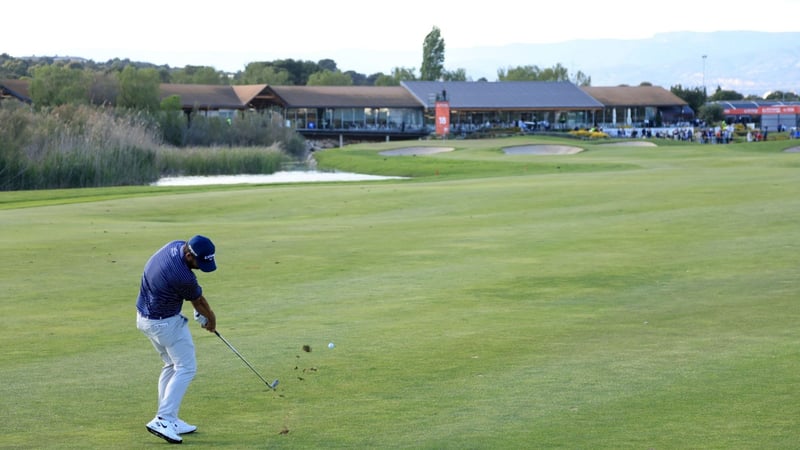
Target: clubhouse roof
(507,95)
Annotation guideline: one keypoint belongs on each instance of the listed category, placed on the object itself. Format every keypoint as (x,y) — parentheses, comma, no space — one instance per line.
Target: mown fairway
(618,298)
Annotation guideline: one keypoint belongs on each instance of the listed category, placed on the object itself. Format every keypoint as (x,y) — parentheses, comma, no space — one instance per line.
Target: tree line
(63,80)
(121,82)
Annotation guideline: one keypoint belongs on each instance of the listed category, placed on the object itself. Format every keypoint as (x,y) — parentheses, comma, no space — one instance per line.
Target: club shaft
(233,349)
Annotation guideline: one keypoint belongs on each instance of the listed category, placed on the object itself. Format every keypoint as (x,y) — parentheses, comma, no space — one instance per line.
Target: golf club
(269,385)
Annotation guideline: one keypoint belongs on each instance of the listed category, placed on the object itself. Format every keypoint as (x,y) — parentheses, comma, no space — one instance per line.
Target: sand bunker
(542,150)
(407,151)
(792,150)
(630,144)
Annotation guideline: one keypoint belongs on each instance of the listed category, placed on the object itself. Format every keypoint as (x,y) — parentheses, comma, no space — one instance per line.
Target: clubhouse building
(409,111)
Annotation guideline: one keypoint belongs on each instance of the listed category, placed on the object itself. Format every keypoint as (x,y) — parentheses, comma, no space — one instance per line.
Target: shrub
(588,134)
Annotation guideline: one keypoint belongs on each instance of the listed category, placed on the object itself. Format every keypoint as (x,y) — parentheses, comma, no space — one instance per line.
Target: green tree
(12,68)
(581,79)
(104,88)
(721,94)
(782,96)
(519,73)
(535,73)
(198,75)
(386,80)
(432,56)
(327,64)
(398,74)
(298,70)
(370,79)
(711,113)
(117,64)
(263,73)
(359,79)
(455,75)
(329,78)
(54,85)
(695,97)
(173,121)
(555,73)
(139,89)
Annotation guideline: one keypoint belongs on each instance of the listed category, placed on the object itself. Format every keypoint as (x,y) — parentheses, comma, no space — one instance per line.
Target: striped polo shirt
(166,282)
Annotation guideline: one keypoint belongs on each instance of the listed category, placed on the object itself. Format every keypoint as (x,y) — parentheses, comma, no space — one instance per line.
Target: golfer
(167,281)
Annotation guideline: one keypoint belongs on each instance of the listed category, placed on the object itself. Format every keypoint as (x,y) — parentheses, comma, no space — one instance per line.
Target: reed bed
(76,146)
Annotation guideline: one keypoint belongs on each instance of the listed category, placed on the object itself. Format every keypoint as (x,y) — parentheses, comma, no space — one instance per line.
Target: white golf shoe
(165,430)
(182,427)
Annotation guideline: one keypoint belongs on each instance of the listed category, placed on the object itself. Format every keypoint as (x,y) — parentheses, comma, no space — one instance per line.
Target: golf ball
(330,345)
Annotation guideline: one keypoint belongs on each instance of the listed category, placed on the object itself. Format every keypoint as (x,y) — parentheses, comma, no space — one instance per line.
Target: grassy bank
(618,298)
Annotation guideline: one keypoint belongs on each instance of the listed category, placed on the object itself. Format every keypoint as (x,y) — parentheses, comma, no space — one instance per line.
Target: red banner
(442,118)
(763,110)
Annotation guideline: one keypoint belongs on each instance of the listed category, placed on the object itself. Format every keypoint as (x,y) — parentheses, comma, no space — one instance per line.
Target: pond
(289,176)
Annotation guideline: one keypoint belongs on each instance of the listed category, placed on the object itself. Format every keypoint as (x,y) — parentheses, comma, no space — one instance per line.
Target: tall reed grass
(73,146)
(220,160)
(249,129)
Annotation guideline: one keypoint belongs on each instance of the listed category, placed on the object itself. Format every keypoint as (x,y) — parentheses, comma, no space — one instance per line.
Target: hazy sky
(229,34)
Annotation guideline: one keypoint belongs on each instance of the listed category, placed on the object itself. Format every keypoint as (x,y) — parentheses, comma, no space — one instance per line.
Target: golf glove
(201,319)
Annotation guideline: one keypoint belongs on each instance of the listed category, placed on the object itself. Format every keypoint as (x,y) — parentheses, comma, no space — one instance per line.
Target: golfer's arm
(201,305)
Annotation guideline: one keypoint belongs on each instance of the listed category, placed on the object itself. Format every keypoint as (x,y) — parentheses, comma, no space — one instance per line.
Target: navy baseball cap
(202,249)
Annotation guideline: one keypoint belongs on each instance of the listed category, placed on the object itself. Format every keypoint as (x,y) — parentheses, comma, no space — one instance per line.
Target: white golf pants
(173,341)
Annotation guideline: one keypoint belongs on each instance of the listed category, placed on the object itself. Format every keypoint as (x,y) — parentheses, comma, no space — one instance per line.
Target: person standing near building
(167,281)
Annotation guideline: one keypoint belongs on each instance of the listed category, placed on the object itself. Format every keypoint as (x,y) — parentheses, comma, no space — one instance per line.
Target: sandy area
(543,149)
(792,150)
(407,151)
(630,144)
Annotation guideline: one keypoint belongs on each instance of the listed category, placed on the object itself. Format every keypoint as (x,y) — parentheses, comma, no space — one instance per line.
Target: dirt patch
(629,144)
(408,151)
(792,150)
(542,150)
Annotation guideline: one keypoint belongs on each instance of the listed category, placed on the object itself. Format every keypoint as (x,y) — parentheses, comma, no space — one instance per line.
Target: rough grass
(647,300)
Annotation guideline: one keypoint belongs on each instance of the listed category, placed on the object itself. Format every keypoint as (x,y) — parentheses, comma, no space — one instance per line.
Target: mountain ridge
(749,62)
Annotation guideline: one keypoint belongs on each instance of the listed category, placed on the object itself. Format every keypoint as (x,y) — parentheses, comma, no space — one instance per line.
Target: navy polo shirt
(166,282)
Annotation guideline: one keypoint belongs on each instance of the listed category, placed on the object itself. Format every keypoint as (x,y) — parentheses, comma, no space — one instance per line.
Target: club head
(273,385)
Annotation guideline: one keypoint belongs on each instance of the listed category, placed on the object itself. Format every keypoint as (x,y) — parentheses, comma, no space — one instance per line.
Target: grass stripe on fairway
(647,299)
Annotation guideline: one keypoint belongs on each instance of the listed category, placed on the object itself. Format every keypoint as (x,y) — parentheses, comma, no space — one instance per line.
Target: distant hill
(748,62)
